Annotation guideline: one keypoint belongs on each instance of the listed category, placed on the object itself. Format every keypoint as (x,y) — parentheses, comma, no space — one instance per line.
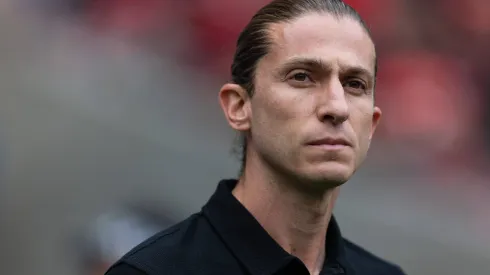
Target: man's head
(303,90)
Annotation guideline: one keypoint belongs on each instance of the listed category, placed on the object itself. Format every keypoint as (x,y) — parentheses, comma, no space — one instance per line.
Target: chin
(329,175)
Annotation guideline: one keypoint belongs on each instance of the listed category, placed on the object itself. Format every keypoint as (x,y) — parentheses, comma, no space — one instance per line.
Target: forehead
(336,41)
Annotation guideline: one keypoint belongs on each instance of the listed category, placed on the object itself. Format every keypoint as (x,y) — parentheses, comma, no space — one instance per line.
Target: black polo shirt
(224,238)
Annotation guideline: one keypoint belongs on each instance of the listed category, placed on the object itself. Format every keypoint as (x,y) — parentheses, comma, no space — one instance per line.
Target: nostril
(335,118)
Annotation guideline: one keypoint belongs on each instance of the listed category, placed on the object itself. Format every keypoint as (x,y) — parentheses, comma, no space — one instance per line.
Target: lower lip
(330,146)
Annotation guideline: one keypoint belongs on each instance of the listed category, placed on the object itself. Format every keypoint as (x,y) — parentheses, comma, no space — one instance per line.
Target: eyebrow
(316,63)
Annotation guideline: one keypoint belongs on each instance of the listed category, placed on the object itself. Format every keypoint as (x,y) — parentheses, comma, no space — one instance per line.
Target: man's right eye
(301,77)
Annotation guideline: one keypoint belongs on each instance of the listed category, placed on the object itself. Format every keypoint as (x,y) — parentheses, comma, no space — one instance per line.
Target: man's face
(312,115)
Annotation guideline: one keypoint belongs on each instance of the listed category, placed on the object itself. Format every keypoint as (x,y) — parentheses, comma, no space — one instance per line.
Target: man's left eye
(355,84)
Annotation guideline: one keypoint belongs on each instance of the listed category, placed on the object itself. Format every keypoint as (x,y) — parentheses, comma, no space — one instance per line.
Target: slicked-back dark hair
(254,41)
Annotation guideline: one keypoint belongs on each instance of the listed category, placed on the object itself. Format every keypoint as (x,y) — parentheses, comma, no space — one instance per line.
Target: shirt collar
(250,243)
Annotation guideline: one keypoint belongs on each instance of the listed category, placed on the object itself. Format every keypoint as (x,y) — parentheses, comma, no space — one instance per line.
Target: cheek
(362,126)
(271,121)
(281,108)
(277,122)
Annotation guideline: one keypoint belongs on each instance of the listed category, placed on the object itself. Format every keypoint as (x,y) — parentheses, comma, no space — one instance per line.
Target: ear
(375,121)
(234,101)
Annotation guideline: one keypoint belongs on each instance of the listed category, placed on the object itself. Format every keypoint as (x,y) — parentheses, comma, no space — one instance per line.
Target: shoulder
(165,249)
(369,263)
(141,260)
(176,250)
(124,269)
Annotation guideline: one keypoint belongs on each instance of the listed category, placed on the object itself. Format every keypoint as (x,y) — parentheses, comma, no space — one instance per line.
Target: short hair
(254,41)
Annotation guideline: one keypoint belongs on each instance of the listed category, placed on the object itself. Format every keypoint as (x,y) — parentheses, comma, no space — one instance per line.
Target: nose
(333,106)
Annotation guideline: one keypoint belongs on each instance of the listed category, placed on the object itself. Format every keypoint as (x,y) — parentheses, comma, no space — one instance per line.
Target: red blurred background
(106,102)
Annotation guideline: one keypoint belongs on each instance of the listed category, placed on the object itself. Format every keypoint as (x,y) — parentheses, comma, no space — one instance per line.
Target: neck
(296,220)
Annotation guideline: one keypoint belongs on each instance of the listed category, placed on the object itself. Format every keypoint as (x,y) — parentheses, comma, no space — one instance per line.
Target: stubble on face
(285,112)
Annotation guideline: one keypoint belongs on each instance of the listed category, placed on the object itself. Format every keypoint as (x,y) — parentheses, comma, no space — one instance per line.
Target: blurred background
(111,129)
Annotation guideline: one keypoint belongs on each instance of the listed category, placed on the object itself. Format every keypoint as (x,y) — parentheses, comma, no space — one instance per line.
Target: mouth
(331,143)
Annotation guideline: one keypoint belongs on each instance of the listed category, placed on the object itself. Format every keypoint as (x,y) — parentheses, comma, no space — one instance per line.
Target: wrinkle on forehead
(323,36)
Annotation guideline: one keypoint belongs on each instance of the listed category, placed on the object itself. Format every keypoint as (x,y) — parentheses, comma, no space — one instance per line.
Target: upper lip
(331,141)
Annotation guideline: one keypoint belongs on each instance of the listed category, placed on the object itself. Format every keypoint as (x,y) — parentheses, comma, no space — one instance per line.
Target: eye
(300,79)
(355,85)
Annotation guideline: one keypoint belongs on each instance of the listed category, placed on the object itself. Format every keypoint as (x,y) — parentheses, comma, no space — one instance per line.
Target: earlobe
(234,101)
(375,120)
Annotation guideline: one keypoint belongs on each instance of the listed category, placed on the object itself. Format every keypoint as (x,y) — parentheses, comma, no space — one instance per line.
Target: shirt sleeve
(124,269)
(400,271)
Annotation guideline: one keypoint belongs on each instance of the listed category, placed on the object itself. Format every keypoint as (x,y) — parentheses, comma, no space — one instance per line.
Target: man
(302,96)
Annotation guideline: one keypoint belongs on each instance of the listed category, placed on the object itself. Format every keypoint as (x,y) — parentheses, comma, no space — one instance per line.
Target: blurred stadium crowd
(433,59)
(131,62)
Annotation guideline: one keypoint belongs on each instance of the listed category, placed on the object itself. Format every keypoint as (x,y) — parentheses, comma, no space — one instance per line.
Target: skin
(316,81)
